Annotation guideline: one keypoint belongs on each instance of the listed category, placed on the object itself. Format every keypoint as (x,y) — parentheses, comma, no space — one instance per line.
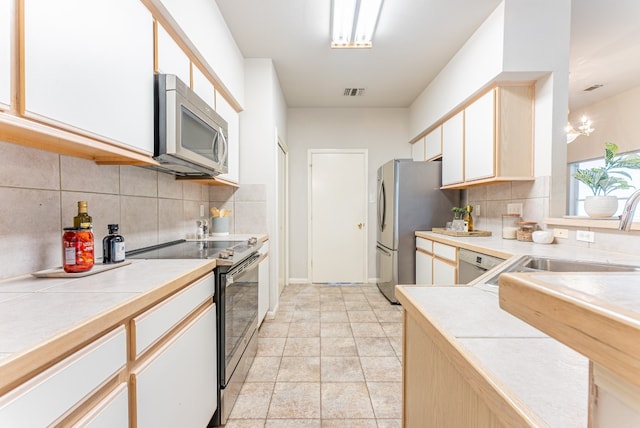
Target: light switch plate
(585,236)
(561,233)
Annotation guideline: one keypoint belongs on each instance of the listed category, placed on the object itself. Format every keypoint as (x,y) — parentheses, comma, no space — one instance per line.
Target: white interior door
(338,211)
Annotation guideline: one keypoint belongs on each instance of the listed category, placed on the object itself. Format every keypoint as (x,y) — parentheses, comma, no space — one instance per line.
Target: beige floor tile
(295,400)
(253,401)
(357,306)
(302,347)
(374,347)
(264,369)
(334,316)
(343,400)
(386,398)
(335,329)
(338,347)
(293,423)
(389,423)
(367,329)
(304,315)
(283,316)
(341,369)
(305,329)
(299,369)
(274,329)
(388,316)
(245,423)
(349,423)
(381,369)
(311,305)
(392,329)
(396,343)
(362,316)
(270,346)
(332,306)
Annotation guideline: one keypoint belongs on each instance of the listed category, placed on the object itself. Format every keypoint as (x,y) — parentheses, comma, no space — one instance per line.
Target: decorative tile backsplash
(248,205)
(39,191)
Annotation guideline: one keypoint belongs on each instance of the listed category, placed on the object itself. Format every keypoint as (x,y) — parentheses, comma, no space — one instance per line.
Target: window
(578,191)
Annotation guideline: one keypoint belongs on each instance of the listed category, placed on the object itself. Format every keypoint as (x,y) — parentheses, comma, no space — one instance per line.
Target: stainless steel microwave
(190,137)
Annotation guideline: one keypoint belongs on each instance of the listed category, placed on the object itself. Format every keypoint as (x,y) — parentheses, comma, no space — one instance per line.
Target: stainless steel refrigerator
(409,199)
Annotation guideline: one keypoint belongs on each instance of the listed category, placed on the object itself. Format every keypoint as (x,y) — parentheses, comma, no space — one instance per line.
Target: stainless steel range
(236,299)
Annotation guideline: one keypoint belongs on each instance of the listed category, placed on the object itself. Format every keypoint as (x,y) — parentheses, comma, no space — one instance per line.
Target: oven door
(240,321)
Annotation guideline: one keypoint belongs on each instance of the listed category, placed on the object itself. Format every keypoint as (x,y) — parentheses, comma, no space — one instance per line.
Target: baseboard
(298,281)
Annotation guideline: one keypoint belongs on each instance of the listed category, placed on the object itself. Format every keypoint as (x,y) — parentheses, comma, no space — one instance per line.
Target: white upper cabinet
(5,52)
(417,150)
(172,59)
(453,150)
(479,131)
(90,65)
(228,113)
(203,87)
(433,144)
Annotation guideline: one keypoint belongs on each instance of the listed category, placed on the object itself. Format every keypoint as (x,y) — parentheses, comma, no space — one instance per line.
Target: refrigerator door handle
(383,250)
(382,203)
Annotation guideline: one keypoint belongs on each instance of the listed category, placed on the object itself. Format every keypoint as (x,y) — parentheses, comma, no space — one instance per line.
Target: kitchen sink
(549,264)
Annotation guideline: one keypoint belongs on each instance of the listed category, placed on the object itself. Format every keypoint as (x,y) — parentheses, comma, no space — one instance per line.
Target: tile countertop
(536,374)
(43,319)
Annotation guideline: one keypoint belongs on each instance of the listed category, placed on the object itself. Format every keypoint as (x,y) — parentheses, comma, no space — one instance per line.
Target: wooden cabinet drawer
(157,321)
(45,398)
(424,244)
(445,251)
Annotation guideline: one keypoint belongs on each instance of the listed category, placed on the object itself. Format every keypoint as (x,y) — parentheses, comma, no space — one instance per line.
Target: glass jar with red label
(77,249)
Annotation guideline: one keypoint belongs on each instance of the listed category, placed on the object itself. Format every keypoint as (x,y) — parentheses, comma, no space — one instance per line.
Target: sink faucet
(626,218)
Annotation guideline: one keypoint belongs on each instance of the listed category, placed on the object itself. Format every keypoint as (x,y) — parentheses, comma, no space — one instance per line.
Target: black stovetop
(183,249)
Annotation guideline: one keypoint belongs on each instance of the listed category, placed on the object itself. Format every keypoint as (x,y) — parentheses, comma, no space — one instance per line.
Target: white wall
(384,132)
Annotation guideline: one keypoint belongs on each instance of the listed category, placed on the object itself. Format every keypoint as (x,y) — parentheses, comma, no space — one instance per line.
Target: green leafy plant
(457,213)
(612,176)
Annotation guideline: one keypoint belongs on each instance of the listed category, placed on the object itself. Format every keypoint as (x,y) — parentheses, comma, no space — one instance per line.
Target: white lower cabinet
(176,386)
(111,412)
(444,272)
(263,284)
(424,268)
(44,399)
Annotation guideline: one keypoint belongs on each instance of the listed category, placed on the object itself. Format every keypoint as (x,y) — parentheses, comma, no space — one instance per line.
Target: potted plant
(604,180)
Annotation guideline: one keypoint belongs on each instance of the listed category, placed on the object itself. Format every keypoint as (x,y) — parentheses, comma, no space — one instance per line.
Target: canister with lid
(510,225)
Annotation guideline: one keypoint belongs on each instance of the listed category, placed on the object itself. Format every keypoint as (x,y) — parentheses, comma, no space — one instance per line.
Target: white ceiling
(414,40)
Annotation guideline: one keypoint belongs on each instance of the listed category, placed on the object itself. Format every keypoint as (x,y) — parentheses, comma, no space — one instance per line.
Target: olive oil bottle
(468,217)
(83,220)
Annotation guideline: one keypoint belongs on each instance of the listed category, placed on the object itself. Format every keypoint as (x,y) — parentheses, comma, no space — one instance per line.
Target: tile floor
(331,358)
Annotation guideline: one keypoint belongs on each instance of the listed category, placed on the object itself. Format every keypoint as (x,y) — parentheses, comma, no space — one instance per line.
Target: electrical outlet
(201,210)
(561,233)
(477,211)
(514,209)
(585,236)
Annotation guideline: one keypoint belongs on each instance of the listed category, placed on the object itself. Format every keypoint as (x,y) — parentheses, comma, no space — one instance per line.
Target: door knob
(360,225)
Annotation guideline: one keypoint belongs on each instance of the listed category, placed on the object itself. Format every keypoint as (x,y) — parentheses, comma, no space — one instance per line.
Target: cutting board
(60,273)
(444,231)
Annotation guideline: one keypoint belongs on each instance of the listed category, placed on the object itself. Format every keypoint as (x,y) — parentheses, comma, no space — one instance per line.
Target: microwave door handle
(225,147)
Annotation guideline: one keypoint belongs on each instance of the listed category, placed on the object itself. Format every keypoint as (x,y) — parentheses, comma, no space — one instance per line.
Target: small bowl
(542,236)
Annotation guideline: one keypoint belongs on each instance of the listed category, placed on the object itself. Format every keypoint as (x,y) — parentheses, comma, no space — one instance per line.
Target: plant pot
(601,206)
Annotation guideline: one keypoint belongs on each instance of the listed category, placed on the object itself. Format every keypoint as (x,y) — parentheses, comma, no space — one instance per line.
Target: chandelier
(584,128)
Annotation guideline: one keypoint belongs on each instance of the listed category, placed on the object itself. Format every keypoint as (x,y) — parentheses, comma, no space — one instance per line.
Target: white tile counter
(42,319)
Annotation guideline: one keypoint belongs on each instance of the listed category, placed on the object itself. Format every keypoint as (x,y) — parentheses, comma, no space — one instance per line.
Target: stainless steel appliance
(236,298)
(471,265)
(190,138)
(409,199)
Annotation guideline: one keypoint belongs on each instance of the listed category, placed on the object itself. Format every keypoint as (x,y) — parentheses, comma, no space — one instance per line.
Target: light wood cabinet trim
(162,15)
(436,237)
(588,222)
(603,333)
(499,399)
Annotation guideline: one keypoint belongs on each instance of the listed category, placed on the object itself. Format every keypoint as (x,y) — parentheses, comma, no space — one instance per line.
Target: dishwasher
(471,265)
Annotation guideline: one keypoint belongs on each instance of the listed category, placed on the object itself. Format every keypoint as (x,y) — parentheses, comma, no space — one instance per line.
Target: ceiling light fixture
(353,22)
(584,128)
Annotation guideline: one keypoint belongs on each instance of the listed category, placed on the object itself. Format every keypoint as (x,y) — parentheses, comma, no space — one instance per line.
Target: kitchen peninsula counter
(498,370)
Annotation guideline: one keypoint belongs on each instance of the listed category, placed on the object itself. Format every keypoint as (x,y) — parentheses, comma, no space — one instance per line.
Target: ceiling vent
(353,92)
(593,88)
